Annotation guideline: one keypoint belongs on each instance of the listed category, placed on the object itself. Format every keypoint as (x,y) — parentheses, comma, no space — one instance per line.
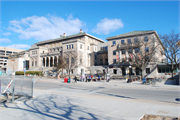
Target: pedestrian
(86,78)
(91,77)
(75,79)
(69,80)
(99,77)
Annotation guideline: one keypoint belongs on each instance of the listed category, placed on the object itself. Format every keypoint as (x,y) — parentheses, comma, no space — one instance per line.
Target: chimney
(64,34)
(81,31)
(60,36)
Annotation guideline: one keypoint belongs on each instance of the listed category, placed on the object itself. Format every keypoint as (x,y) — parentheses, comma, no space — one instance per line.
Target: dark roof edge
(68,37)
(116,37)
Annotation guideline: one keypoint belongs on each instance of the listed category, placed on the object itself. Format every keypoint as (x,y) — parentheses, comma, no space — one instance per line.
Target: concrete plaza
(91,101)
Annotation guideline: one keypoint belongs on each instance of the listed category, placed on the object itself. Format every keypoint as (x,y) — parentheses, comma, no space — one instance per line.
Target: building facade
(18,62)
(4,53)
(123,47)
(45,54)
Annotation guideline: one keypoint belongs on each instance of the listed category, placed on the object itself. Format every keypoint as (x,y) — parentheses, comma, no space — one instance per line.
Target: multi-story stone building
(4,53)
(121,46)
(46,53)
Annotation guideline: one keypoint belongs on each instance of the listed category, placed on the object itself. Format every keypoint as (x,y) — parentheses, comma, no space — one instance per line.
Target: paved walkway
(123,84)
(65,104)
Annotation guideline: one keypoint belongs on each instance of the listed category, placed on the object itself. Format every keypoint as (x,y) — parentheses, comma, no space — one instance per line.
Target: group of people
(83,79)
(86,78)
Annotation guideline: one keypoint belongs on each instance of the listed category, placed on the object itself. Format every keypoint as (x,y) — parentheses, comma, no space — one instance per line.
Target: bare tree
(70,61)
(60,65)
(171,49)
(140,52)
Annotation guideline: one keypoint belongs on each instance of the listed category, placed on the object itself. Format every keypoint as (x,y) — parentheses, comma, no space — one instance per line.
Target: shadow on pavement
(100,88)
(53,107)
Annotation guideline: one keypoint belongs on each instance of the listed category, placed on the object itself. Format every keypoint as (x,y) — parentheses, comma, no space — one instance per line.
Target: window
(9,52)
(114,52)
(106,61)
(67,46)
(145,39)
(72,60)
(71,71)
(164,69)
(122,42)
(129,41)
(87,47)
(147,49)
(130,51)
(32,63)
(123,52)
(67,60)
(136,50)
(147,58)
(147,70)
(114,61)
(54,50)
(35,63)
(81,60)
(101,61)
(2,51)
(95,57)
(106,48)
(72,46)
(114,71)
(135,40)
(114,42)
(80,46)
(58,49)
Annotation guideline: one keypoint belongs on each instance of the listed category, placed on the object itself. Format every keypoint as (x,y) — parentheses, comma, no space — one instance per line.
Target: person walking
(75,79)
(86,78)
(91,77)
(99,77)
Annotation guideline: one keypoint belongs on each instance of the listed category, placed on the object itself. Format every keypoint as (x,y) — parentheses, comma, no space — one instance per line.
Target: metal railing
(16,86)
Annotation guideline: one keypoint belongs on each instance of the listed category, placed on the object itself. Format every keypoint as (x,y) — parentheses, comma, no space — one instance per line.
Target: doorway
(123,71)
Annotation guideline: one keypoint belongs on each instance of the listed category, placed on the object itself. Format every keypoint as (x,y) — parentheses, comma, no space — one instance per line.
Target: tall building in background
(4,53)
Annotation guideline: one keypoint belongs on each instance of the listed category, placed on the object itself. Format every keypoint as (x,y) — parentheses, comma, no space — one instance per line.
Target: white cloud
(43,28)
(105,26)
(7,33)
(19,46)
(5,40)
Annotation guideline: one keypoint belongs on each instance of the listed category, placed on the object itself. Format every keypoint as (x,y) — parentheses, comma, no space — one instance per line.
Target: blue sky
(24,23)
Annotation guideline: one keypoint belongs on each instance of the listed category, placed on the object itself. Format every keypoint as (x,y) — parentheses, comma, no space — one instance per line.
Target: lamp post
(129,73)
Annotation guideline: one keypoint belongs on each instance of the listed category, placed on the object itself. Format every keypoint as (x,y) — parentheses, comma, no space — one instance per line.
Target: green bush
(29,72)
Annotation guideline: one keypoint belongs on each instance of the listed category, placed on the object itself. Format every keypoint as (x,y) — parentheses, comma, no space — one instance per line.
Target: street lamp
(129,73)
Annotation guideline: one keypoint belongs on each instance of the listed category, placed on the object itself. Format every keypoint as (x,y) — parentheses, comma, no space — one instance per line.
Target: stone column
(120,56)
(49,61)
(53,61)
(57,59)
